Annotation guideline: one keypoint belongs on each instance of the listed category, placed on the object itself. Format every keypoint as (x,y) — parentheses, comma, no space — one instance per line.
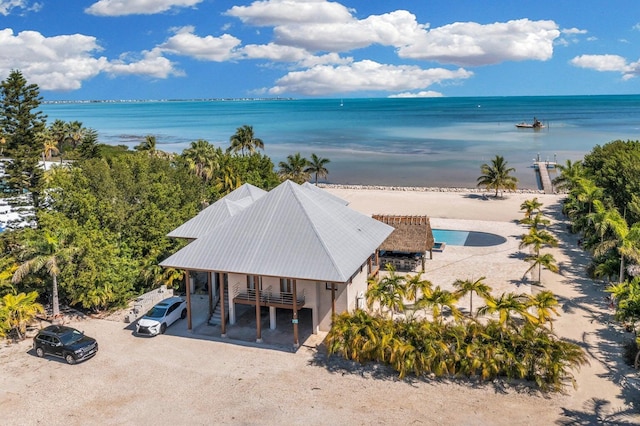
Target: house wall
(317,296)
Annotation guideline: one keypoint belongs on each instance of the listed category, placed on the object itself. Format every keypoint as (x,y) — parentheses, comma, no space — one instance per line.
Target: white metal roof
(292,232)
(218,212)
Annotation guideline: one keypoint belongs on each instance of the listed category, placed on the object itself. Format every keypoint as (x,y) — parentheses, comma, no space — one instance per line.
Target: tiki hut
(408,243)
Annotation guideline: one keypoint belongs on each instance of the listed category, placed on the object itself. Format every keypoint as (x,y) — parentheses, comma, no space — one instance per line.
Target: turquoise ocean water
(380,141)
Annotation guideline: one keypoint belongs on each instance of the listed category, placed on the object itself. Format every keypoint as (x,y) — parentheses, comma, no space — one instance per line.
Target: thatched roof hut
(412,234)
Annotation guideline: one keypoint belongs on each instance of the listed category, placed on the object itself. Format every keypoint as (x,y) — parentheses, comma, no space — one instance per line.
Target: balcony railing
(267,297)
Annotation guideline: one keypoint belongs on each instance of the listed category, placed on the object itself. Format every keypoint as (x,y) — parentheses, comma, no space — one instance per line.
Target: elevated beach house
(294,247)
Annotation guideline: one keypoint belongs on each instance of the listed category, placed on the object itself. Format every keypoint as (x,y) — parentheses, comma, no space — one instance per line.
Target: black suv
(65,342)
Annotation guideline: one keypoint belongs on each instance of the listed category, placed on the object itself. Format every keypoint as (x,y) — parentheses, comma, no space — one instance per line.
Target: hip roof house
(282,249)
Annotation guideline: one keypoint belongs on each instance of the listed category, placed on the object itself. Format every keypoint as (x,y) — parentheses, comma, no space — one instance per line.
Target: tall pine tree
(21,122)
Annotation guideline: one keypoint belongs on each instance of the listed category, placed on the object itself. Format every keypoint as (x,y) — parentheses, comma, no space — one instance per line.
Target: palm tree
(147,145)
(537,239)
(202,158)
(535,221)
(49,145)
(545,304)
(414,285)
(506,306)
(469,287)
(75,133)
(497,176)
(531,206)
(437,300)
(388,292)
(317,167)
(294,168)
(570,172)
(18,310)
(546,261)
(244,139)
(48,251)
(625,240)
(586,191)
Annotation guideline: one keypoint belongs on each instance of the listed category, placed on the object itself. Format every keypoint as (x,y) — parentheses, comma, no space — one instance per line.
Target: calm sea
(380,141)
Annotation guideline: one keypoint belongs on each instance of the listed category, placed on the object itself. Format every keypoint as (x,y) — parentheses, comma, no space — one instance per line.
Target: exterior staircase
(216,318)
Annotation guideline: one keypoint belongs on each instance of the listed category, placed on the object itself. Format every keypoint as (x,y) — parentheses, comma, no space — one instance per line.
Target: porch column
(258,325)
(272,317)
(187,286)
(223,319)
(210,290)
(296,343)
(333,301)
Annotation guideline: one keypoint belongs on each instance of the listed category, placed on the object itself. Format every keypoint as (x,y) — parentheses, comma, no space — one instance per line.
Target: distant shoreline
(425,189)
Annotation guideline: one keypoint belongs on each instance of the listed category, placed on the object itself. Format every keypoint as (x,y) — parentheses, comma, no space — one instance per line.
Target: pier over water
(542,167)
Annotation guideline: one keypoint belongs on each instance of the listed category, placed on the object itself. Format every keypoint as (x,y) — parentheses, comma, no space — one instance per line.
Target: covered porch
(242,310)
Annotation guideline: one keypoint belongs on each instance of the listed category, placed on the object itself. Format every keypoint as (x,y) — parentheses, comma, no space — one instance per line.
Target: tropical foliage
(604,208)
(512,341)
(16,312)
(497,175)
(103,214)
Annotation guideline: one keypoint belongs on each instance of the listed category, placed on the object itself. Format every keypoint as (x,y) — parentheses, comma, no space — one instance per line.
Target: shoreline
(429,189)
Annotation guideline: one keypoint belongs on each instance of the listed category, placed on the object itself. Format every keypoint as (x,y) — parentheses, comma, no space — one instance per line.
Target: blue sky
(185,49)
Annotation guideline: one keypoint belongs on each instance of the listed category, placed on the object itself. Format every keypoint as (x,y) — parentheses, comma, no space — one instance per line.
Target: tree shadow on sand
(597,411)
(604,341)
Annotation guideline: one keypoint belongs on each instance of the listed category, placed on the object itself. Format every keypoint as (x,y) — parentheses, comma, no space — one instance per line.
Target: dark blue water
(420,142)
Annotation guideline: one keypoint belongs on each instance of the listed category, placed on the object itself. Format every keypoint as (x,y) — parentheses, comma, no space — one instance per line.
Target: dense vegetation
(102,214)
(510,335)
(603,205)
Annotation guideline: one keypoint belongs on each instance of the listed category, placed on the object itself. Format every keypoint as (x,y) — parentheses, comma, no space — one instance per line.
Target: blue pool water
(450,237)
(467,238)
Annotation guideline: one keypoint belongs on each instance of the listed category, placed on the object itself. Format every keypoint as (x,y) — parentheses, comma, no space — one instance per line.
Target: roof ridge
(315,229)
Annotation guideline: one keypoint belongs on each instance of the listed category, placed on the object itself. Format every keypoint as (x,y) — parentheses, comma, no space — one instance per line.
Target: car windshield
(156,312)
(70,337)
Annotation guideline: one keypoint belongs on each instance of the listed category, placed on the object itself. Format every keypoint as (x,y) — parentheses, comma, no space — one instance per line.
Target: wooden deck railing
(267,297)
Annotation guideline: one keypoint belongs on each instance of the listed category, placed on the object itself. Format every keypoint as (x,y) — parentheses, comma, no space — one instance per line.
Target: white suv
(161,316)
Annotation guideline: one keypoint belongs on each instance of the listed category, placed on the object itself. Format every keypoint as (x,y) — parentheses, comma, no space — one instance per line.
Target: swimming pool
(450,237)
(467,238)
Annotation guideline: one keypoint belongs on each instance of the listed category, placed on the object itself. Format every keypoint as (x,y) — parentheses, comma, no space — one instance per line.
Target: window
(173,308)
(286,285)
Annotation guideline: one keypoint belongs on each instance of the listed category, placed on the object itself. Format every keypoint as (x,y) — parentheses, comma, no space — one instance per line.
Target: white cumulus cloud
(64,62)
(136,7)
(605,63)
(152,64)
(283,12)
(209,48)
(362,76)
(394,29)
(7,6)
(473,44)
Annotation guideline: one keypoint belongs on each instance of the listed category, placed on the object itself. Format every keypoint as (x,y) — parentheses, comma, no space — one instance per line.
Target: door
(56,346)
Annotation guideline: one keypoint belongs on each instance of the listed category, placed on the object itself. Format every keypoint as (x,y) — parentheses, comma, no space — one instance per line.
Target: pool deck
(502,265)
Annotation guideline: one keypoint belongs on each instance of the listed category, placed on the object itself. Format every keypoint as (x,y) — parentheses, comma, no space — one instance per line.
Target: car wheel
(40,352)
(183,315)
(163,328)
(70,359)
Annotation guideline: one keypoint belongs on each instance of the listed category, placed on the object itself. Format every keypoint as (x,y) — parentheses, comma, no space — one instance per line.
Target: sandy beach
(183,378)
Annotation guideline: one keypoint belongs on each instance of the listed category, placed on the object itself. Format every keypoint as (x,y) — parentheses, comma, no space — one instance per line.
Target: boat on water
(537,124)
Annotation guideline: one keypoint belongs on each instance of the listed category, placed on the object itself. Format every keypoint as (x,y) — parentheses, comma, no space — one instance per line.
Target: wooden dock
(543,167)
